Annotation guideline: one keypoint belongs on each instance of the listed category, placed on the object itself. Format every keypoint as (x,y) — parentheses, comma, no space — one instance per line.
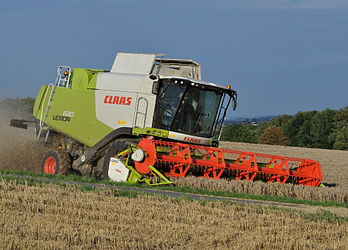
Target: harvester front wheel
(55,162)
(116,148)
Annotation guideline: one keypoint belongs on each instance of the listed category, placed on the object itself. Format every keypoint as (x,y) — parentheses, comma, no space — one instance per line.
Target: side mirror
(155,88)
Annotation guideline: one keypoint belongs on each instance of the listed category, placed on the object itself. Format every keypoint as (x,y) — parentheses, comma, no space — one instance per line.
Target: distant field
(50,216)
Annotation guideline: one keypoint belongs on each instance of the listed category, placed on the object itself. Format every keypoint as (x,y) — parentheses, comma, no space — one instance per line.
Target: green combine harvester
(147,119)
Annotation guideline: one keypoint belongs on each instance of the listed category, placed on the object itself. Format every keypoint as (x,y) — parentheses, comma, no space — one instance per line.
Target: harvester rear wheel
(55,162)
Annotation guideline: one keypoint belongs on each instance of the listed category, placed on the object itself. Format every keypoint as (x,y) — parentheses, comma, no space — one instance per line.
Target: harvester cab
(147,119)
(186,107)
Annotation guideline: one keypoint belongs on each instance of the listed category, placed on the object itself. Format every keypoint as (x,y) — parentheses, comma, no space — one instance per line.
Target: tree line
(315,129)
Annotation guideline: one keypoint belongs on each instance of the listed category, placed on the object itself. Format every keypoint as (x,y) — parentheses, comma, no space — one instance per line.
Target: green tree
(282,122)
(239,133)
(303,136)
(293,127)
(321,127)
(274,136)
(340,120)
(341,141)
(261,126)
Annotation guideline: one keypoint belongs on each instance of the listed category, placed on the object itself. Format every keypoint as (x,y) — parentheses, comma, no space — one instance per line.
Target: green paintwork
(163,134)
(80,99)
(39,99)
(82,79)
(162,180)
(135,176)
(150,131)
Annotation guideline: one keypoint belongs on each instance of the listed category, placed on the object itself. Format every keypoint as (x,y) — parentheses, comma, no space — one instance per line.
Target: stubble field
(49,216)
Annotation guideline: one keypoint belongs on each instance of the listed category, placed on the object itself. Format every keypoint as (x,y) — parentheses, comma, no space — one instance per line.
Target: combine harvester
(147,119)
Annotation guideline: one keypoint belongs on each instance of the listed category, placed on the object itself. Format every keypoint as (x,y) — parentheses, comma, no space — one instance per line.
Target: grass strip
(55,177)
(324,215)
(265,197)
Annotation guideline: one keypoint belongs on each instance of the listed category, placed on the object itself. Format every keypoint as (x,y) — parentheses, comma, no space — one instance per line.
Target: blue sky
(282,56)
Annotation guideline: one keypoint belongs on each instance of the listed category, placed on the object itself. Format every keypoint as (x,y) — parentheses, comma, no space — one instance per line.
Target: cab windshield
(186,108)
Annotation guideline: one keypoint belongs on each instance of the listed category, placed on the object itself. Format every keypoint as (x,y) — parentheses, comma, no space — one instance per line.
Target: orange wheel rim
(50,165)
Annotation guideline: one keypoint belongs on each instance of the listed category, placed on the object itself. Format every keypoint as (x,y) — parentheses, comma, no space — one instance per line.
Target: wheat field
(261,188)
(50,216)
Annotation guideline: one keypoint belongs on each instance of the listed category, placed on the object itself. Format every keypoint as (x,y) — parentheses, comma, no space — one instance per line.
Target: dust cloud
(18,148)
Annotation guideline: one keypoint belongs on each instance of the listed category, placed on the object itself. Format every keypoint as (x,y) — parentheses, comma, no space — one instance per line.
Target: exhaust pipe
(19,123)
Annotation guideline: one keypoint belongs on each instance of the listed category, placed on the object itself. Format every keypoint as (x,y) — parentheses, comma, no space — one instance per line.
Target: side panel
(73,113)
(123,82)
(119,82)
(114,108)
(81,78)
(40,99)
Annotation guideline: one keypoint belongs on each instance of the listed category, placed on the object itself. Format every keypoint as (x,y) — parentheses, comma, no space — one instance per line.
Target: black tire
(114,149)
(55,162)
